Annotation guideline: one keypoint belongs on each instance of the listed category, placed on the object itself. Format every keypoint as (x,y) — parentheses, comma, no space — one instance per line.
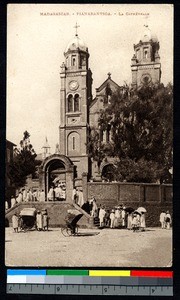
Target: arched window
(73,60)
(76,102)
(145,53)
(108,172)
(70,103)
(73,143)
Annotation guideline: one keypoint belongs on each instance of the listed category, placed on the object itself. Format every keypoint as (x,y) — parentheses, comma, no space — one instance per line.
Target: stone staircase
(56,212)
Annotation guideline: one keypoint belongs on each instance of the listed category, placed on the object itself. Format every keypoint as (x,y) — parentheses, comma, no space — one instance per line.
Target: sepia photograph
(89,135)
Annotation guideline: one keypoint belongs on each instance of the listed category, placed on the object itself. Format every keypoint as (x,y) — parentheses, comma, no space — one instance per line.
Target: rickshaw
(27,218)
(71,219)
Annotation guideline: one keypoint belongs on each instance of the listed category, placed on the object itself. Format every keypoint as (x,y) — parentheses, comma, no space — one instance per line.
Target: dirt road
(95,247)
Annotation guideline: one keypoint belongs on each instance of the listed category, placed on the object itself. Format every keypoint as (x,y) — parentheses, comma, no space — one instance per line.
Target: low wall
(154,197)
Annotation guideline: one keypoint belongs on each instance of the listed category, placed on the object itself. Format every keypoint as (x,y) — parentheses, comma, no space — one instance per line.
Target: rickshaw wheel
(76,229)
(66,231)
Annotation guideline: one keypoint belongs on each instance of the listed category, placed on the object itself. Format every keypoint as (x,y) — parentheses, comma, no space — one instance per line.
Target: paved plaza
(92,247)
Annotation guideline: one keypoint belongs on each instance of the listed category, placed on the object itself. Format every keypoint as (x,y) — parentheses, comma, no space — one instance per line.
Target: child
(135,222)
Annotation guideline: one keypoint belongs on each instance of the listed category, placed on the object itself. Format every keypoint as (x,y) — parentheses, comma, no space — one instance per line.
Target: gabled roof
(108,81)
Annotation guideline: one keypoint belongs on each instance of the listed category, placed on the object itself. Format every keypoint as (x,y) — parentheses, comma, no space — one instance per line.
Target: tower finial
(76,26)
(109,75)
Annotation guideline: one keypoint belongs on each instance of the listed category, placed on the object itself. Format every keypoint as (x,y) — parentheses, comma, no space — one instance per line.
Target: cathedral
(79,111)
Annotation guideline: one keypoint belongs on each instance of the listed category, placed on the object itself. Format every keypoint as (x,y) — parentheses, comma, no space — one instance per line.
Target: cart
(27,218)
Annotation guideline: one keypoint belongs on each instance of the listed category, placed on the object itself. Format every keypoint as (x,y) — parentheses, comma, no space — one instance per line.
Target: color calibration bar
(96,282)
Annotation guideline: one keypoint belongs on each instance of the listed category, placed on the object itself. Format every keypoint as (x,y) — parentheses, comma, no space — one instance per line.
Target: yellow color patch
(109,273)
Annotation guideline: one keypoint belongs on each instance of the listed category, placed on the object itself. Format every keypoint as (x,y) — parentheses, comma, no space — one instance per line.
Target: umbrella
(141,209)
(137,212)
(129,209)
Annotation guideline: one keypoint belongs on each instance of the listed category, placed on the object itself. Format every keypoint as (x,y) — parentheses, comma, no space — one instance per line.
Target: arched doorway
(58,172)
(108,172)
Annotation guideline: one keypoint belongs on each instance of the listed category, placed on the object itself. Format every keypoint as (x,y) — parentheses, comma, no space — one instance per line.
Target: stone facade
(79,111)
(145,64)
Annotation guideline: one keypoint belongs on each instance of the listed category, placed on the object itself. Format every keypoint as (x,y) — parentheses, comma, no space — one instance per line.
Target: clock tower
(75,97)
(145,64)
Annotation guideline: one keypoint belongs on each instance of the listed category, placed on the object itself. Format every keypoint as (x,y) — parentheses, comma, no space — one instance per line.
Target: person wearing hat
(135,221)
(102,213)
(112,218)
(45,220)
(162,219)
(123,215)
(117,217)
(94,208)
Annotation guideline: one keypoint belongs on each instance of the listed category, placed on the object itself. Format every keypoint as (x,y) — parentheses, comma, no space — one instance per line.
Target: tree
(23,163)
(142,132)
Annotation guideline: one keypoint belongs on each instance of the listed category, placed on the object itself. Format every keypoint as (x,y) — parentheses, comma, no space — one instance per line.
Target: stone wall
(154,197)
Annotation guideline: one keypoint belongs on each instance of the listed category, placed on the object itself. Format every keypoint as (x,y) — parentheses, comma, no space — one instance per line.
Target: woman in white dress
(39,221)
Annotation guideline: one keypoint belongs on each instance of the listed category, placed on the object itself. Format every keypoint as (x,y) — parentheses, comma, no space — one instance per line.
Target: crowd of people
(41,222)
(27,195)
(57,192)
(118,217)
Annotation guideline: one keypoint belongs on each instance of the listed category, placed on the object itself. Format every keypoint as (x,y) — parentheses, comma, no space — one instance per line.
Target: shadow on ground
(87,234)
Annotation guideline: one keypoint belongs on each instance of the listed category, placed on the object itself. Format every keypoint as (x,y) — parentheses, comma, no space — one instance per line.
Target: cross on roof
(109,75)
(76,26)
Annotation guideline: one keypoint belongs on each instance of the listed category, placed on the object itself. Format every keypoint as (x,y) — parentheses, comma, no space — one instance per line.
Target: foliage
(142,132)
(23,163)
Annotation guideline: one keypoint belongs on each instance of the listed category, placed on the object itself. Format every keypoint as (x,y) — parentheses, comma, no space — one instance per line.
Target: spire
(57,150)
(46,145)
(46,148)
(76,26)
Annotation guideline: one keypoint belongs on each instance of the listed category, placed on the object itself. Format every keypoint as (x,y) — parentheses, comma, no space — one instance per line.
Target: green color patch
(68,272)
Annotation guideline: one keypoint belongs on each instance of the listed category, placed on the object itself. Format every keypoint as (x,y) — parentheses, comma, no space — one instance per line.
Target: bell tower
(145,63)
(75,96)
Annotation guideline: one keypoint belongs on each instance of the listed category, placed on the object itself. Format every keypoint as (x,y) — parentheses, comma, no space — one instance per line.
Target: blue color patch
(25,272)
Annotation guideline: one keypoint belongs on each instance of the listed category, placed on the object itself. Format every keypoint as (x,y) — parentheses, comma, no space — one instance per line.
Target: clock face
(146,78)
(73,85)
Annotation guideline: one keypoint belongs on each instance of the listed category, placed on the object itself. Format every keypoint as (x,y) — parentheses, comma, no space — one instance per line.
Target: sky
(37,36)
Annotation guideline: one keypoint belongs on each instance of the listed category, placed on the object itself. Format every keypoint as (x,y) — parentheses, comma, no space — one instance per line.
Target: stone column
(42,180)
(46,190)
(85,186)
